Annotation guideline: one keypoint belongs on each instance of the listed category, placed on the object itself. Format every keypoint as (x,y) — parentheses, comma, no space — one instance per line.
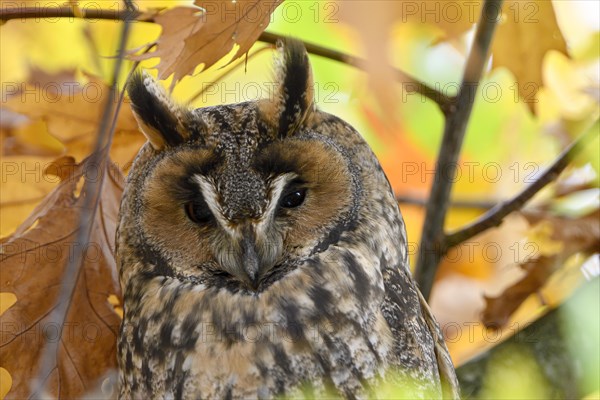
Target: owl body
(262,253)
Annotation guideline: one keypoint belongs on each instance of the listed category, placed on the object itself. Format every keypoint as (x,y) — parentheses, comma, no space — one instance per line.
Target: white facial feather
(209,192)
(277,186)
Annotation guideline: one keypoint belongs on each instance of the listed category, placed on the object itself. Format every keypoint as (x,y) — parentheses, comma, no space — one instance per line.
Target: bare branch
(91,195)
(7,13)
(431,248)
(495,216)
(465,204)
(409,83)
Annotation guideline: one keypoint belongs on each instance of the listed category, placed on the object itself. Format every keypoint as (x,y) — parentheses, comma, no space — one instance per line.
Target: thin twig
(91,197)
(410,84)
(466,204)
(495,216)
(454,131)
(49,13)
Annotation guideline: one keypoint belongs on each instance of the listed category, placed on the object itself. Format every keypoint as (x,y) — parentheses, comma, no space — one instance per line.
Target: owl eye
(198,212)
(293,199)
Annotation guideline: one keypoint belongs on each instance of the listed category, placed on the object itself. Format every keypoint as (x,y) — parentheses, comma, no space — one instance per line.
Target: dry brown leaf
(44,78)
(499,309)
(576,235)
(205,34)
(33,261)
(177,24)
(30,138)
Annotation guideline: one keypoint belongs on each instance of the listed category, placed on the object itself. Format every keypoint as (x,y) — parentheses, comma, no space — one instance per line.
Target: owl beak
(250,261)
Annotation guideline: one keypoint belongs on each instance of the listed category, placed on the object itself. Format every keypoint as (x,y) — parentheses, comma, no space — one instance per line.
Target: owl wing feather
(450,386)
(420,353)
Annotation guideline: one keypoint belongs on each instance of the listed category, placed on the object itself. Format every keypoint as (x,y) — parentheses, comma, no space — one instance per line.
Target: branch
(8,13)
(410,84)
(91,194)
(467,204)
(454,131)
(495,216)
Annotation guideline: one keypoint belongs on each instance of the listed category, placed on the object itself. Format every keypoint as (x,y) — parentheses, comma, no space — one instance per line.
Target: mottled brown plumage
(262,253)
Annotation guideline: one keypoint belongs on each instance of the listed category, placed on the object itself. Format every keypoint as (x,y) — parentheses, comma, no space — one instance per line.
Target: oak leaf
(527,30)
(522,40)
(33,260)
(204,34)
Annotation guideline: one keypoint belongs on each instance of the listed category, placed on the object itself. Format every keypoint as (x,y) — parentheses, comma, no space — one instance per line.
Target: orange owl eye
(198,212)
(293,199)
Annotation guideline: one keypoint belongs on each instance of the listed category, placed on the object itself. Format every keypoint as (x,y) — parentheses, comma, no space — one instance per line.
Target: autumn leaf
(525,33)
(204,34)
(72,110)
(57,116)
(33,260)
(568,237)
(523,39)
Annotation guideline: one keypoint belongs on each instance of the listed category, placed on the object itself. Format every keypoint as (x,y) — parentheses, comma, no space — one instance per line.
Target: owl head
(238,196)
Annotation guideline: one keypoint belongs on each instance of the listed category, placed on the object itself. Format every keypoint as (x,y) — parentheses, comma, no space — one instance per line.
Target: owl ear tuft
(292,102)
(160,119)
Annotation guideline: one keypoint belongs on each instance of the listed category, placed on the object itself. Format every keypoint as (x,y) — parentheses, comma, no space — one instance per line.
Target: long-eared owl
(262,254)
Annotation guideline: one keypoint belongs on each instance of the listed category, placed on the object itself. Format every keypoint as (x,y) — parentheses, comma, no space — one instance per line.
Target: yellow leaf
(24,185)
(541,235)
(7,300)
(524,36)
(567,82)
(5,382)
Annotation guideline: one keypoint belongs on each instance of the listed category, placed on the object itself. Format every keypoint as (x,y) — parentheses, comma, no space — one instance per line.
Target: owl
(262,254)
